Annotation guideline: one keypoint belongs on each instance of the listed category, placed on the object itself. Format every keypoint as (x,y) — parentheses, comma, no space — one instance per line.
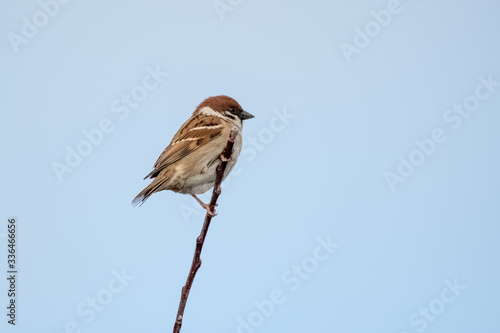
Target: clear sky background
(366,198)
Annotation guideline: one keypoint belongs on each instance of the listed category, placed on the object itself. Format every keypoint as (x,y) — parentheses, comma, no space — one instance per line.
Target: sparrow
(188,164)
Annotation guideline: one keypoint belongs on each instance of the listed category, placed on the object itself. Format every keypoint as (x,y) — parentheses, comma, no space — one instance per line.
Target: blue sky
(365,198)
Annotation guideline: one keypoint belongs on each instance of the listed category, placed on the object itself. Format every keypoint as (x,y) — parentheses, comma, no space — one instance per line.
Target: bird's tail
(146,193)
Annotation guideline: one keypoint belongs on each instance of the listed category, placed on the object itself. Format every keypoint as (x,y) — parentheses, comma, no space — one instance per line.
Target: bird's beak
(245,115)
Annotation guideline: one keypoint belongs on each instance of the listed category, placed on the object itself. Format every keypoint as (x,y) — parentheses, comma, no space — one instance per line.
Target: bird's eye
(232,110)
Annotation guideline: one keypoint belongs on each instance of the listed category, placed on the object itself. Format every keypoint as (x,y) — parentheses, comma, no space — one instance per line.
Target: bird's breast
(199,168)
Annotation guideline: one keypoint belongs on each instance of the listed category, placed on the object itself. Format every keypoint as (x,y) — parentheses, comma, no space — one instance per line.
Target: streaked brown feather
(192,135)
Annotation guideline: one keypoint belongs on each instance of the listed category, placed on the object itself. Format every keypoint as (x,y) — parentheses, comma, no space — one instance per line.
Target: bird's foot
(210,210)
(224,159)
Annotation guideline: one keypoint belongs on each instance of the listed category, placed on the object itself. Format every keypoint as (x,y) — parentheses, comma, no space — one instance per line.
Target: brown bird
(188,163)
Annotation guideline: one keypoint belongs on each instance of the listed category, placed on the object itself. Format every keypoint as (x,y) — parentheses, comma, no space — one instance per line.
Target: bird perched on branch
(188,164)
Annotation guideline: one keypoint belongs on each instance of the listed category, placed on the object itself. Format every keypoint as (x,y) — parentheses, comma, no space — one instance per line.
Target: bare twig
(226,154)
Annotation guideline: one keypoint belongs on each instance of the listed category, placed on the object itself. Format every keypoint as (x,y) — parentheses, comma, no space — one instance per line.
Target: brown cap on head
(220,103)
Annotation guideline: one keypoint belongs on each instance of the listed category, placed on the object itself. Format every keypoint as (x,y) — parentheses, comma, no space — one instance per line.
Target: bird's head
(224,106)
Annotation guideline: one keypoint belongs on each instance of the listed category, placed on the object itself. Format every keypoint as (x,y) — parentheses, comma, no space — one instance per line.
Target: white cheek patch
(208,111)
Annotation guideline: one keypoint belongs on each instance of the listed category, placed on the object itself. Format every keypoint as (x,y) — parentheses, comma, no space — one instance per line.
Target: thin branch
(195,265)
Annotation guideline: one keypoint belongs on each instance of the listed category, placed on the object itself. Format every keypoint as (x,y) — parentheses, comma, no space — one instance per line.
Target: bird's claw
(224,159)
(210,210)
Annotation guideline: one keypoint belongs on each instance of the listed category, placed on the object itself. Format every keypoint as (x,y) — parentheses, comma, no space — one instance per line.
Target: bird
(188,164)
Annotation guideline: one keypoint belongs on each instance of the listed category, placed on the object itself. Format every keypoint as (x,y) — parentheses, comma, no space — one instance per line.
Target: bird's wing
(195,133)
